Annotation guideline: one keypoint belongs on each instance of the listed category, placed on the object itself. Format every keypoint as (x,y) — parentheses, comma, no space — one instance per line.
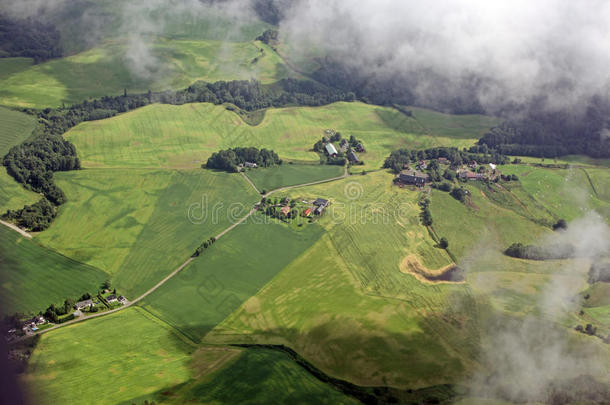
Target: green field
(291,174)
(15,127)
(260,376)
(368,319)
(567,193)
(113,359)
(103,71)
(185,136)
(228,273)
(134,224)
(33,277)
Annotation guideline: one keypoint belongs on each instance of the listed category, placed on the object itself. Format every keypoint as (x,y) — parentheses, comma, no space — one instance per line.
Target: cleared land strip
(175,271)
(16,228)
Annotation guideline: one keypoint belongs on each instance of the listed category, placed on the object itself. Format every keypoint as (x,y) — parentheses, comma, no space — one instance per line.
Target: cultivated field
(291,174)
(33,277)
(228,273)
(184,136)
(113,359)
(135,224)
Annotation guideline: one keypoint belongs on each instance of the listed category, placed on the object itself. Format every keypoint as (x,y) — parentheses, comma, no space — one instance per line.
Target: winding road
(179,268)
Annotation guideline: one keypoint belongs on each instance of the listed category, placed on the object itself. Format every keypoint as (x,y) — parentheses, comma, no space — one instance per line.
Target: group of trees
(52,313)
(230,159)
(425,215)
(531,252)
(206,244)
(29,38)
(337,139)
(36,217)
(400,157)
(269,37)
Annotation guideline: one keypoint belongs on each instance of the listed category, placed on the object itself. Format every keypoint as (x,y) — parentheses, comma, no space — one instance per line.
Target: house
(444,161)
(493,167)
(83,304)
(122,299)
(406,166)
(320,202)
(330,149)
(413,177)
(352,157)
(285,210)
(468,175)
(422,165)
(319,209)
(307,212)
(250,164)
(360,148)
(111,298)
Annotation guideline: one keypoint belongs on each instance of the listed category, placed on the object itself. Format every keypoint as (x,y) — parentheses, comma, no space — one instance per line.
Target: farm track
(179,268)
(16,229)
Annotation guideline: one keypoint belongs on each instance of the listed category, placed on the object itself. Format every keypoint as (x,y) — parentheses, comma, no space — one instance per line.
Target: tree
(106,285)
(559,225)
(444,243)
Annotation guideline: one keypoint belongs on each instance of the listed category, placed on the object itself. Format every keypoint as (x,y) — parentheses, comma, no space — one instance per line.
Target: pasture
(104,70)
(228,273)
(284,175)
(12,194)
(135,224)
(34,277)
(108,360)
(185,136)
(368,319)
(259,376)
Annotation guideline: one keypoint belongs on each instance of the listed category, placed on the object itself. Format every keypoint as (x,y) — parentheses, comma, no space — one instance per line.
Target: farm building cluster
(339,150)
(286,209)
(425,171)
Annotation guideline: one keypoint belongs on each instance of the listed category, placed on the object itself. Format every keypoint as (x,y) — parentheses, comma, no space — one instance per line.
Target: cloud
(516,49)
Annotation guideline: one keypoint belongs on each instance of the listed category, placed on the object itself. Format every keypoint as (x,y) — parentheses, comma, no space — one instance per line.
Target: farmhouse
(468,175)
(83,304)
(122,299)
(352,157)
(330,149)
(413,177)
(360,148)
(251,164)
(320,202)
(111,298)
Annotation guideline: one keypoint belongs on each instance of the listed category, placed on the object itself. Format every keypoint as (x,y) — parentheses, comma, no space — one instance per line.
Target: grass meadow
(228,273)
(103,70)
(34,277)
(368,319)
(274,177)
(134,224)
(15,127)
(258,376)
(109,360)
(185,136)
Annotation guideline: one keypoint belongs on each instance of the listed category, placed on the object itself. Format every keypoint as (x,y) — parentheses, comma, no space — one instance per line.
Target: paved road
(179,268)
(16,228)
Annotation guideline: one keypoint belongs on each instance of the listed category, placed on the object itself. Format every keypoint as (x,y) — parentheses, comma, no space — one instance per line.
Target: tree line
(230,159)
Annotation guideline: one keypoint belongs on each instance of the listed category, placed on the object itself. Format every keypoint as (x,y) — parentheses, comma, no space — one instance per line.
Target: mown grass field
(185,136)
(228,273)
(104,70)
(134,224)
(274,177)
(15,127)
(368,319)
(33,277)
(567,193)
(113,359)
(260,376)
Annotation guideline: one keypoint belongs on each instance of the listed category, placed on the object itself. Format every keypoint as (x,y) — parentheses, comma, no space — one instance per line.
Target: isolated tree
(561,224)
(444,243)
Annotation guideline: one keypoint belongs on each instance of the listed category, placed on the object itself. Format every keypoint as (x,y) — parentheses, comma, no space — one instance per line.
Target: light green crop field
(567,193)
(105,70)
(33,277)
(227,274)
(260,376)
(135,224)
(15,127)
(291,174)
(109,360)
(9,66)
(368,319)
(185,136)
